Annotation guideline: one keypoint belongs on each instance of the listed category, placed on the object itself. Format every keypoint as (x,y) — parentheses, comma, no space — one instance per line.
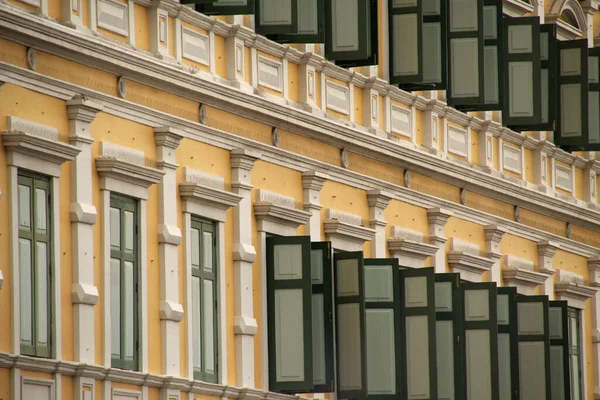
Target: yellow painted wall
(293,83)
(405,215)
(418,126)
(585,236)
(489,205)
(464,230)
(475,147)
(425,184)
(358,107)
(571,263)
(237,125)
(4,382)
(221,65)
(579,183)
(142,36)
(543,222)
(309,147)
(529,173)
(375,169)
(162,101)
(54,9)
(67,387)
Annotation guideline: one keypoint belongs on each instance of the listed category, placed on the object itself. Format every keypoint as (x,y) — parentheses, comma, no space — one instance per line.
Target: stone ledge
(169,234)
(171,311)
(245,326)
(84,294)
(83,213)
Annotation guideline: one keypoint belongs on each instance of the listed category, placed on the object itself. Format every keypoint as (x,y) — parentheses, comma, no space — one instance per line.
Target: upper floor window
(124,282)
(575,353)
(204,300)
(34,264)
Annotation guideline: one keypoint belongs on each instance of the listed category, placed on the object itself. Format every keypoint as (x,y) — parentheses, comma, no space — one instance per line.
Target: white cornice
(221,199)
(225,140)
(280,215)
(135,174)
(402,248)
(520,273)
(351,232)
(39,147)
(27,29)
(469,262)
(516,8)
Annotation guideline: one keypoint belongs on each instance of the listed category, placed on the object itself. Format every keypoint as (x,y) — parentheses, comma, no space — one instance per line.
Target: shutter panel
(508,348)
(523,104)
(449,351)
(350,326)
(417,302)
(289,308)
(559,351)
(227,7)
(383,329)
(465,52)
(572,121)
(493,51)
(276,16)
(434,47)
(481,340)
(548,88)
(593,140)
(534,347)
(406,51)
(322,317)
(311,24)
(351,32)
(197,1)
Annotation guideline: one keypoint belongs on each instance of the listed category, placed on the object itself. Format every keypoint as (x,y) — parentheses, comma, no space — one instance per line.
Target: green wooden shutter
(351,32)
(350,326)
(560,376)
(289,309)
(227,7)
(197,1)
(311,24)
(35,249)
(575,353)
(383,328)
(406,40)
(417,302)
(449,349)
(534,347)
(480,326)
(572,123)
(322,317)
(548,88)
(508,347)
(493,51)
(593,138)
(124,282)
(523,104)
(465,52)
(276,16)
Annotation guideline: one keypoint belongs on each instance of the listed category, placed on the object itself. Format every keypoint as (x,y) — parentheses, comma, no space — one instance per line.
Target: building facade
(149,153)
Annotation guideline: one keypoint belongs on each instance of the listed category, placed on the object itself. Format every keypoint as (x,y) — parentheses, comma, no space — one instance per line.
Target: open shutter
(523,104)
(508,347)
(465,52)
(593,140)
(481,340)
(197,1)
(351,32)
(276,16)
(434,47)
(382,302)
(350,326)
(559,351)
(311,24)
(406,47)
(289,308)
(417,301)
(322,317)
(449,351)
(493,51)
(227,7)
(572,124)
(534,347)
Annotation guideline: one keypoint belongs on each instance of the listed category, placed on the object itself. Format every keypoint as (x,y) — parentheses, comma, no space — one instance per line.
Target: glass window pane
(115,307)
(129,227)
(115,228)
(209,339)
(196,329)
(25,291)
(128,319)
(41,281)
(575,392)
(195,238)
(24,207)
(207,251)
(40,210)
(316,265)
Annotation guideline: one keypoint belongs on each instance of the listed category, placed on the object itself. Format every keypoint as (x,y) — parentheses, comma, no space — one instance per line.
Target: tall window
(204,300)
(574,353)
(124,282)
(34,264)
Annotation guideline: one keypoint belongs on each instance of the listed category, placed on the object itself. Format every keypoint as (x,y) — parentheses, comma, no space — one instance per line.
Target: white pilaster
(169,238)
(312,183)
(234,51)
(546,251)
(437,218)
(244,254)
(84,294)
(493,236)
(594,270)
(378,201)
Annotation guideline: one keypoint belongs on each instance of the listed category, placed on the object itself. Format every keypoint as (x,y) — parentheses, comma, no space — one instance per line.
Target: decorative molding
(274,212)
(546,250)
(464,258)
(564,178)
(345,231)
(401,121)
(29,383)
(195,46)
(135,174)
(512,158)
(31,59)
(457,141)
(113,16)
(270,73)
(84,294)
(338,97)
(519,273)
(571,287)
(409,247)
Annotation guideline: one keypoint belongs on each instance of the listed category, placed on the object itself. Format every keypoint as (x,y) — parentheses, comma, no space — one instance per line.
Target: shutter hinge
(330,316)
(457,339)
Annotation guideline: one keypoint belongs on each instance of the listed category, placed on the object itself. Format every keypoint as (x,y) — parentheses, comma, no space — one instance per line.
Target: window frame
(200,224)
(296,38)
(23,176)
(575,313)
(214,9)
(125,203)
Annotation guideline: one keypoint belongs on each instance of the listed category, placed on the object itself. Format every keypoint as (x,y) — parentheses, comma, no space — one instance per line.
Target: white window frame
(133,180)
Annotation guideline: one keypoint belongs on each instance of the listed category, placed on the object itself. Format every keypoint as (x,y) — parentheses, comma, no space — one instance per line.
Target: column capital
(594,270)
(546,250)
(378,199)
(313,180)
(493,236)
(167,136)
(244,159)
(438,216)
(82,109)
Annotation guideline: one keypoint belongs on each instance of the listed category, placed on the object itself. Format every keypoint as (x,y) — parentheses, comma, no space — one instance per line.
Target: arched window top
(569,17)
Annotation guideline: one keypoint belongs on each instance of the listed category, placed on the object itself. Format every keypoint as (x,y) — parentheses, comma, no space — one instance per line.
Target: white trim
(198,36)
(409,248)
(115,5)
(130,394)
(398,111)
(337,92)
(345,231)
(264,62)
(569,171)
(507,151)
(464,258)
(80,383)
(463,150)
(49,383)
